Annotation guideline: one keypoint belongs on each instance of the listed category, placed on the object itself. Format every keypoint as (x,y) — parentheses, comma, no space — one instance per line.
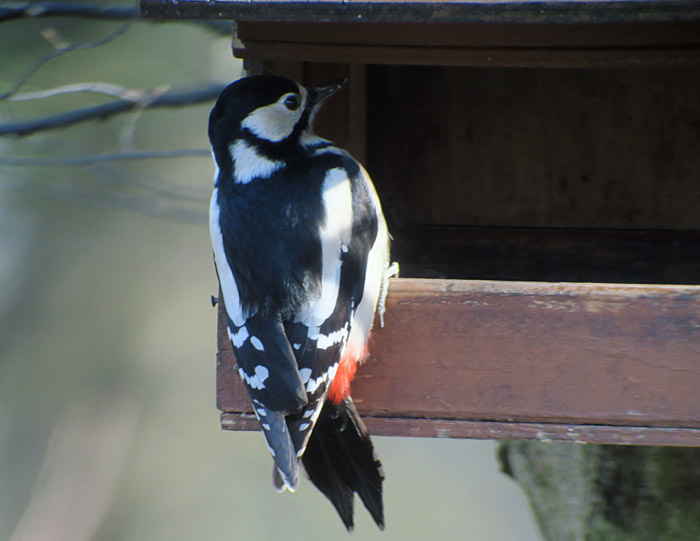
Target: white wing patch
(335,232)
(226,280)
(257,343)
(257,380)
(315,383)
(217,170)
(238,338)
(249,164)
(377,263)
(305,374)
(327,340)
(311,416)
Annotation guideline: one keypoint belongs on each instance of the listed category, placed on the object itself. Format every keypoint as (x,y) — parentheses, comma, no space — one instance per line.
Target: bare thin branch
(54,38)
(81,46)
(151,206)
(20,10)
(126,134)
(112,156)
(208,92)
(107,89)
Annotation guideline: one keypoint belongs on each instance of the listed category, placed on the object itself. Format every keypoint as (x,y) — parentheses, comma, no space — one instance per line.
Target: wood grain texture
(495,430)
(602,149)
(421,11)
(551,44)
(474,56)
(526,354)
(550,35)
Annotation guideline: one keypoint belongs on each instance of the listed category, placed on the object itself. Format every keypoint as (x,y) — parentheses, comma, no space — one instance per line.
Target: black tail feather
(340,460)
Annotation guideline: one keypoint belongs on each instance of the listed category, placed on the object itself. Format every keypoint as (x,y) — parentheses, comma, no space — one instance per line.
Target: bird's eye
(292,102)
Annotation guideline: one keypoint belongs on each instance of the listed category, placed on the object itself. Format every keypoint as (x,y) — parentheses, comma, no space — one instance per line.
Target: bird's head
(265,112)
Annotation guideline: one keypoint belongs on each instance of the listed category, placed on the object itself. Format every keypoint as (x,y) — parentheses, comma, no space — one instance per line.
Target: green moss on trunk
(608,492)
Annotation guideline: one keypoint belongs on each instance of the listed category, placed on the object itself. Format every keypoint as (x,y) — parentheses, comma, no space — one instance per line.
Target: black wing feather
(282,390)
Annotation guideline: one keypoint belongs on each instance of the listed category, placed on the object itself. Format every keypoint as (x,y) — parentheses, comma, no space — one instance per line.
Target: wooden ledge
(597,363)
(422,11)
(489,33)
(498,430)
(552,43)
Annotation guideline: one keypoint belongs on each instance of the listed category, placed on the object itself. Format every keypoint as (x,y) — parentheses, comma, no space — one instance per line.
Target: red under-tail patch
(340,388)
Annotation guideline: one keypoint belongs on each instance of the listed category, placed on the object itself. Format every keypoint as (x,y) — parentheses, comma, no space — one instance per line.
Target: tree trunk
(608,492)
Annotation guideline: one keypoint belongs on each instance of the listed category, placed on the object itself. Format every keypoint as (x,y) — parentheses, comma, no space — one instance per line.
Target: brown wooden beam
(586,33)
(589,57)
(553,35)
(606,362)
(423,11)
(667,43)
(498,430)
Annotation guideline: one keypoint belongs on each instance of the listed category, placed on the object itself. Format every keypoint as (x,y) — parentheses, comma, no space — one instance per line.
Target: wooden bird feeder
(539,167)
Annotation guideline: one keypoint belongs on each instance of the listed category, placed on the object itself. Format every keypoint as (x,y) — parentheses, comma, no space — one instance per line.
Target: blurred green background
(108,423)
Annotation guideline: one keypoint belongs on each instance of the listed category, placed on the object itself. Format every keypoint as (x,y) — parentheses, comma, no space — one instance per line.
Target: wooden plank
(675,33)
(576,148)
(421,11)
(505,45)
(507,34)
(526,353)
(474,56)
(495,430)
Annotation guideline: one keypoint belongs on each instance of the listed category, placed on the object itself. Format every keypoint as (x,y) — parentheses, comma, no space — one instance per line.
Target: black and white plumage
(302,255)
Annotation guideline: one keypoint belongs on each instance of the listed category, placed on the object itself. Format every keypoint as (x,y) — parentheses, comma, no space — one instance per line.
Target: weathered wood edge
(486,421)
(474,56)
(440,287)
(551,45)
(494,430)
(455,11)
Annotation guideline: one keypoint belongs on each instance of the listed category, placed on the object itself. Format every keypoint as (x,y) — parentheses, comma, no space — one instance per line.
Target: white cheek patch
(248,164)
(273,122)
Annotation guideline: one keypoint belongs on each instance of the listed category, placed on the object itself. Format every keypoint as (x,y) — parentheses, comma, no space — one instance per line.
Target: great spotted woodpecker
(302,255)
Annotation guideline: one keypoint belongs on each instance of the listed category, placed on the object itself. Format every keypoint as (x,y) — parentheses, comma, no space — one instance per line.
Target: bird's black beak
(319,93)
